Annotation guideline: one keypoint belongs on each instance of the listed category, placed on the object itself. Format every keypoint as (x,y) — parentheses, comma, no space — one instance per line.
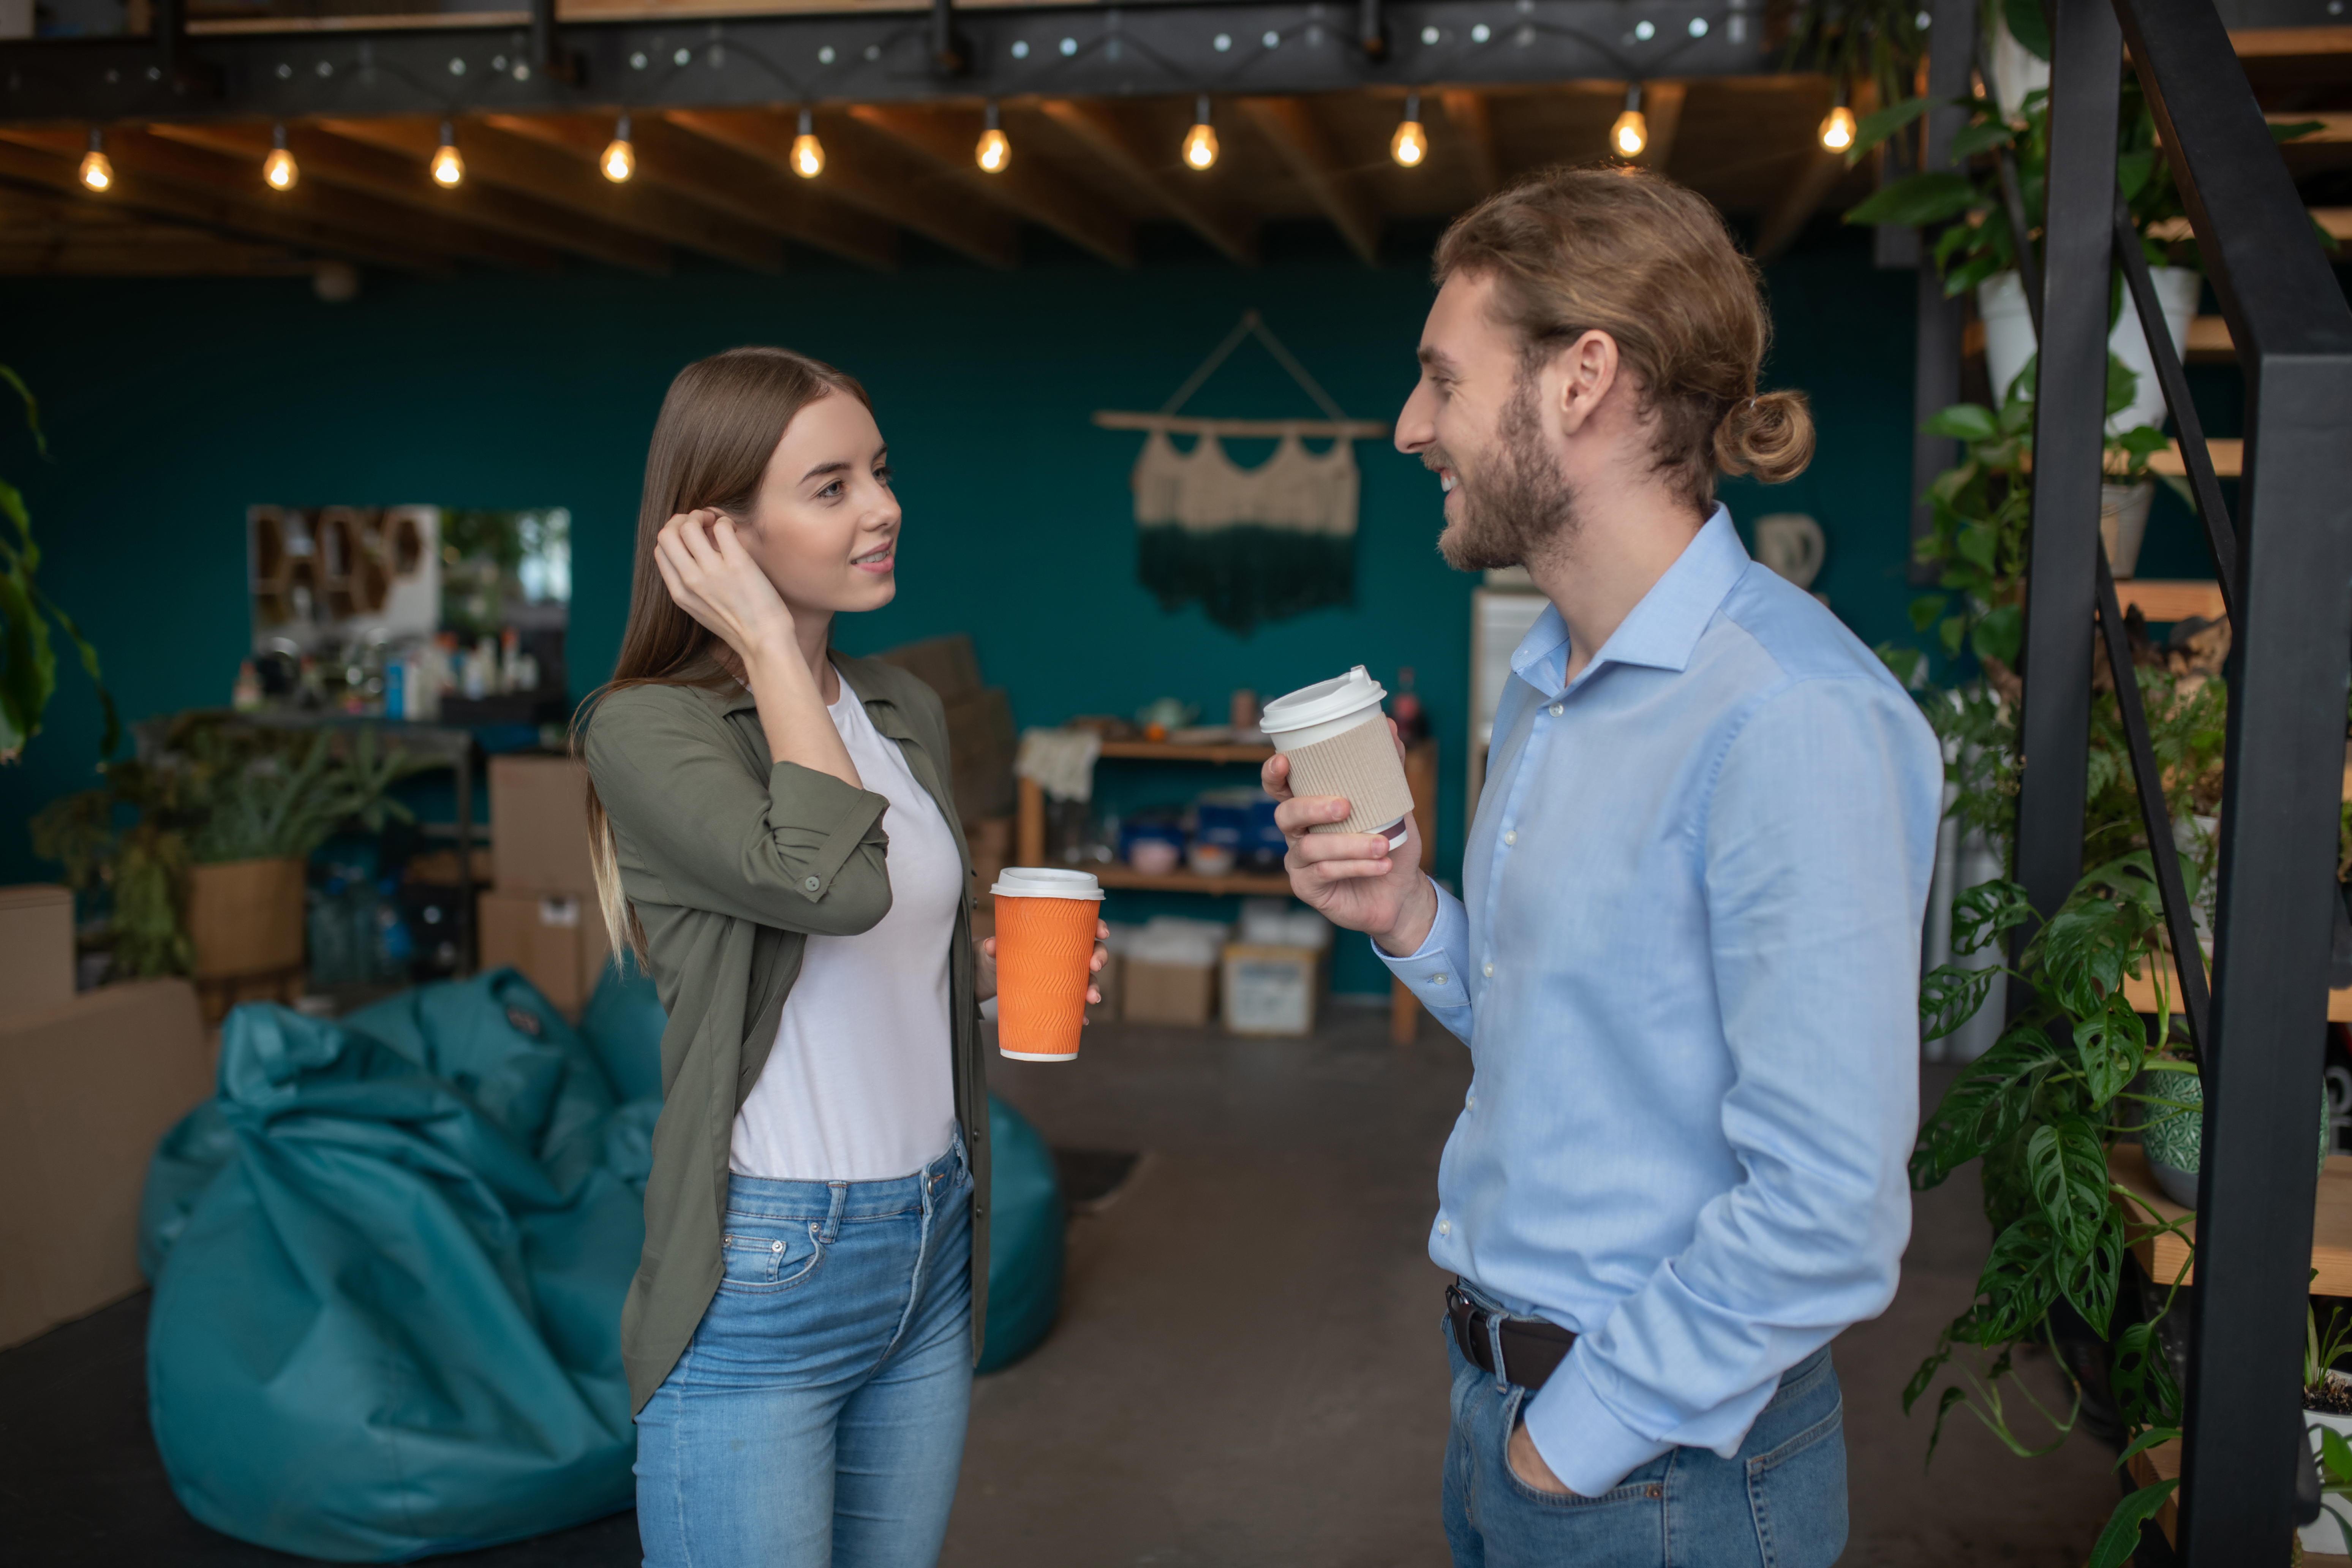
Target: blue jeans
(1779,1503)
(816,1418)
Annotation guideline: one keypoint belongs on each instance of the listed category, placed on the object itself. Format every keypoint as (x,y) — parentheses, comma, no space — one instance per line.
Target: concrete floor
(1248,1371)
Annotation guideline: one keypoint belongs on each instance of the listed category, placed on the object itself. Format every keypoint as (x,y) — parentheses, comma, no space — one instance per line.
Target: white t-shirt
(858,1087)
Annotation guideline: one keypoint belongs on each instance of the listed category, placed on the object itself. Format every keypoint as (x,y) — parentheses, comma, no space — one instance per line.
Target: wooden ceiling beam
(238,151)
(866,174)
(1472,120)
(26,157)
(564,179)
(1026,186)
(1163,180)
(1662,107)
(1291,126)
(399,178)
(747,191)
(140,255)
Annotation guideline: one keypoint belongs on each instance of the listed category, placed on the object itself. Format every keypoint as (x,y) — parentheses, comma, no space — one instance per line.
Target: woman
(800,1335)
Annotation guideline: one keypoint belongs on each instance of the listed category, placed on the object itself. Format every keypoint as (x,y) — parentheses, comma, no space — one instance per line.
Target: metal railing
(2285,569)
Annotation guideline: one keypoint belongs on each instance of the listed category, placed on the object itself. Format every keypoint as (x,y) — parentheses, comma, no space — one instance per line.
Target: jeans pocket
(1645,1484)
(1797,1494)
(764,1254)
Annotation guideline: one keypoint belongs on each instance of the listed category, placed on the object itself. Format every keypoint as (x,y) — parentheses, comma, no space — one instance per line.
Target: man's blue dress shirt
(1686,964)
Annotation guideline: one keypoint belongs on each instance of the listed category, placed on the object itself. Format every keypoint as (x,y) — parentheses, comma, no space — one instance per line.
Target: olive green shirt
(732,862)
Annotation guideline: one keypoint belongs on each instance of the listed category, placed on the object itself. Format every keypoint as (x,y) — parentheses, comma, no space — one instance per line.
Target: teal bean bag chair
(389,1257)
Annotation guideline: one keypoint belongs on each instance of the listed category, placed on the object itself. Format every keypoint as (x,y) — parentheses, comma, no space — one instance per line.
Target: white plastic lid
(1046,882)
(1322,702)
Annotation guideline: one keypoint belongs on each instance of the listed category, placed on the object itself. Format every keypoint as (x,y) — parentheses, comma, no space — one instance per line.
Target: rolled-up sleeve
(1435,972)
(1818,845)
(800,850)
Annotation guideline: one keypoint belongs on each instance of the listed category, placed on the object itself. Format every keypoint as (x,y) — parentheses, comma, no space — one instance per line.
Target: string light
(994,152)
(1838,130)
(97,169)
(448,168)
(1201,142)
(619,160)
(1410,145)
(279,168)
(1632,132)
(808,153)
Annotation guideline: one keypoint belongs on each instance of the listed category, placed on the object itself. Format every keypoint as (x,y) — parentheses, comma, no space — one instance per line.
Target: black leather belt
(1531,1348)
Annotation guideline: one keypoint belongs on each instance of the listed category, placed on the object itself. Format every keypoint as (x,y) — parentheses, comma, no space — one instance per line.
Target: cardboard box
(37,948)
(1271,990)
(87,1088)
(1167,993)
(947,665)
(981,747)
(539,826)
(557,940)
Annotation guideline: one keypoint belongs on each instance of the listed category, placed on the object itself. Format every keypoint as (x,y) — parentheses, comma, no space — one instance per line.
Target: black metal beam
(2069,430)
(2283,757)
(1233,47)
(1942,318)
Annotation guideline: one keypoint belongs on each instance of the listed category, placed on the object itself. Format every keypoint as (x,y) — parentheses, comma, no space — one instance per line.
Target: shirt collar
(734,697)
(1663,629)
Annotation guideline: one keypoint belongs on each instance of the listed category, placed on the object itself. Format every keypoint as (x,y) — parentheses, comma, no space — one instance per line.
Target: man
(1686,958)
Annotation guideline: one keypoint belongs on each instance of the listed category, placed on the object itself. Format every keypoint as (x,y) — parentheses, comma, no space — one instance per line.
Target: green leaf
(2121,1538)
(1982,137)
(1879,124)
(2142,440)
(1999,633)
(1934,197)
(1924,609)
(1950,996)
(2123,384)
(1964,422)
(2133,170)
(2335,1454)
(32,408)
(2155,1437)
(2300,128)
(2029,28)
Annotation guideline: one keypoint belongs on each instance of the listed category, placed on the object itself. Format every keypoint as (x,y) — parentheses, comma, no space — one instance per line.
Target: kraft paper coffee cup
(1044,955)
(1338,741)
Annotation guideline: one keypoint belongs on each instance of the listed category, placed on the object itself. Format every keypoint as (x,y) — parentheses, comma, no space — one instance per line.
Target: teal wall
(172,406)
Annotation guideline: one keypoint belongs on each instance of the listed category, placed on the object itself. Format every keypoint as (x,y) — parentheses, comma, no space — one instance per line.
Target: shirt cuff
(1433,971)
(1581,1440)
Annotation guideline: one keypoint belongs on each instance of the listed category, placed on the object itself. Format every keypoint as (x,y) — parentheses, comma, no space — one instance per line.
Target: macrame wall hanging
(1249,545)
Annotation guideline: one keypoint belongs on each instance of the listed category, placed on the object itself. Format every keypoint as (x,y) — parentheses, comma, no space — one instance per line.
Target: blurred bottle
(246,695)
(1412,717)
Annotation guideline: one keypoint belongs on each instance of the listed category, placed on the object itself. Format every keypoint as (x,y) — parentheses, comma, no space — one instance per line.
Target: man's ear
(1587,369)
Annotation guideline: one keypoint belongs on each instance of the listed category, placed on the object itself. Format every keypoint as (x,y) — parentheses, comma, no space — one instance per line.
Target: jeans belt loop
(1495,1349)
(832,1232)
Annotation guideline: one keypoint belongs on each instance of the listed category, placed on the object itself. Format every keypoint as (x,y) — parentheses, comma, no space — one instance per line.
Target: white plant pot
(2123,522)
(2323,1534)
(2009,337)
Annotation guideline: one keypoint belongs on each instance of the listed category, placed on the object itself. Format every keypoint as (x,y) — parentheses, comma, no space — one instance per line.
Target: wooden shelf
(2228,452)
(2163,600)
(1193,882)
(1174,751)
(2141,992)
(2162,1463)
(2161,1256)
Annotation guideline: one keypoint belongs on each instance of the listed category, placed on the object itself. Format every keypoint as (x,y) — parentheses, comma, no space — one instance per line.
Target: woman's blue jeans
(816,1418)
(1780,1502)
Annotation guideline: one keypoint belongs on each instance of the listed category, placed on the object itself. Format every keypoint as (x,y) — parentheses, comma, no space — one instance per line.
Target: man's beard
(1522,504)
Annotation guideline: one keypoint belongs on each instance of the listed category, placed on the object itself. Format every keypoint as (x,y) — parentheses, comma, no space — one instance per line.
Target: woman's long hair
(718,428)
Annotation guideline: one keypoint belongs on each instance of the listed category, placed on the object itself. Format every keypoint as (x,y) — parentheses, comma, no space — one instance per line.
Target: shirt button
(1473,1102)
(1443,1228)
(1556,709)
(1490,972)
(1511,838)
(1439,980)
(811,884)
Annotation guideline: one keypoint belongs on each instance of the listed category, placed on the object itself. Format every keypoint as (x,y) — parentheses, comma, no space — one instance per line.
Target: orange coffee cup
(1045,954)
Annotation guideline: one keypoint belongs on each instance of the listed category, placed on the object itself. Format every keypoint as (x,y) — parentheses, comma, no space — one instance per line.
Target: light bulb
(1201,142)
(808,153)
(994,152)
(448,168)
(1410,145)
(619,160)
(1838,130)
(1630,134)
(97,169)
(279,168)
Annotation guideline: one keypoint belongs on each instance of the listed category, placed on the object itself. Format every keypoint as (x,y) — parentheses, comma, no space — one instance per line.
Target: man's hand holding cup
(1352,879)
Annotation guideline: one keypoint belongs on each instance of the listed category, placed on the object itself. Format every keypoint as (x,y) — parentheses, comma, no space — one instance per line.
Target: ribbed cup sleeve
(1362,764)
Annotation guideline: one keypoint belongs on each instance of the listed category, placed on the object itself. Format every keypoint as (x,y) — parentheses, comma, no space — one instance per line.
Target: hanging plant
(28,662)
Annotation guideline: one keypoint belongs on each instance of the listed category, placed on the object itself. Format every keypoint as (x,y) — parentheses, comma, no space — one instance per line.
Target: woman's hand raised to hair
(1352,879)
(714,579)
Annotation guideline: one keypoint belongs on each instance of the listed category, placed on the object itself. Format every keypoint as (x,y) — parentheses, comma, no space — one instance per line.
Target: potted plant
(28,664)
(208,878)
